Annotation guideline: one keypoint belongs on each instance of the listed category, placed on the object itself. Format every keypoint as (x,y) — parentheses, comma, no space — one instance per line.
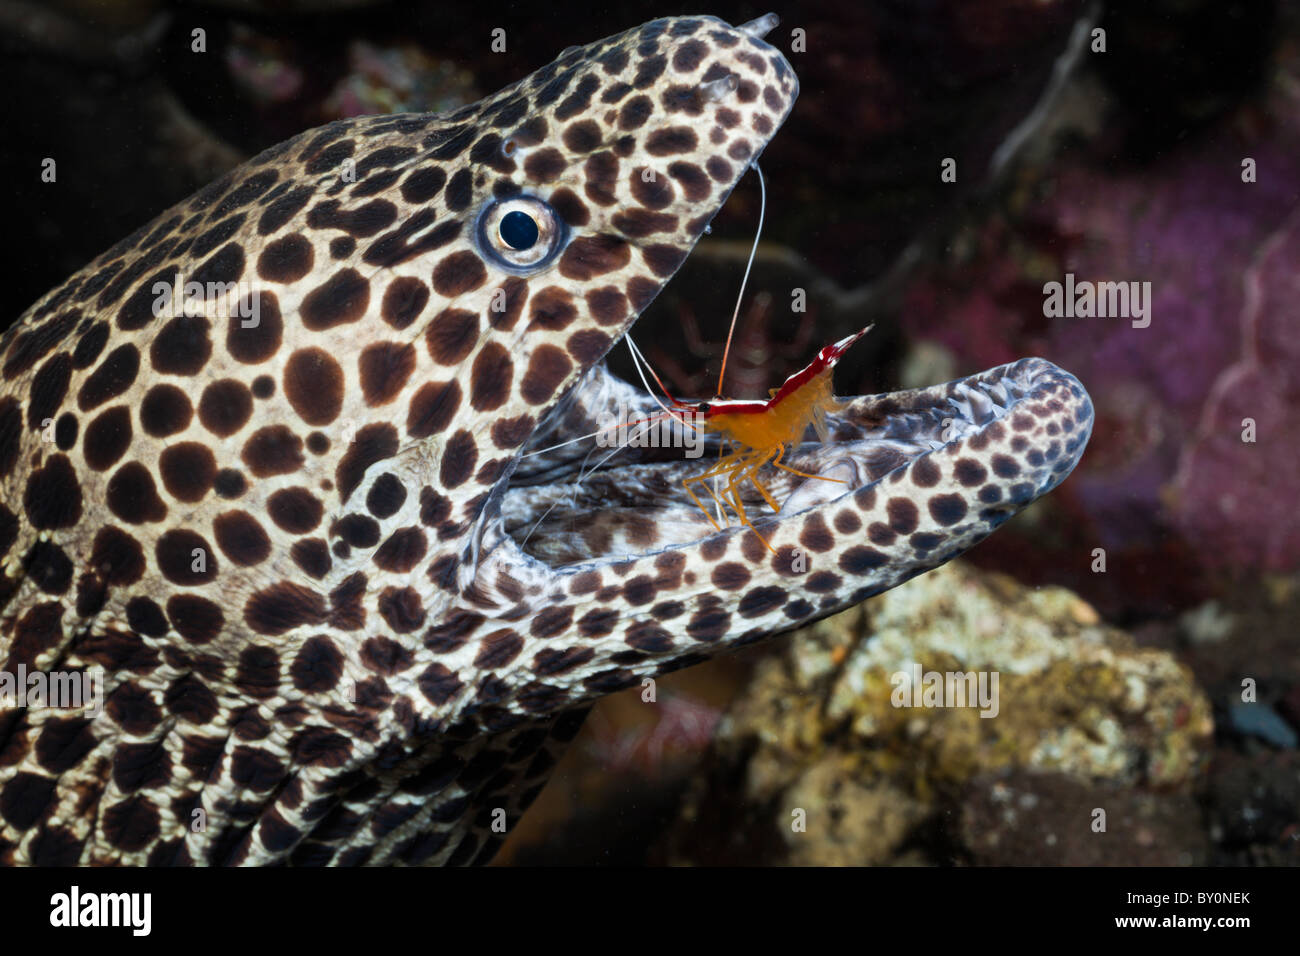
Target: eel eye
(702,408)
(519,230)
(521,234)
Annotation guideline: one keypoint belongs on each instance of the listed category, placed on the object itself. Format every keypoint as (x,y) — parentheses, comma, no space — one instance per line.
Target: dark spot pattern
(385,368)
(317,666)
(52,498)
(385,497)
(273,450)
(165,411)
(225,407)
(107,438)
(423,183)
(254,338)
(458,459)
(132,495)
(184,557)
(403,611)
(11,427)
(432,408)
(295,510)
(404,300)
(113,377)
(229,483)
(282,607)
(451,336)
(188,470)
(285,260)
(313,384)
(458,273)
(241,537)
(372,443)
(491,377)
(548,366)
(341,300)
(48,388)
(182,347)
(195,618)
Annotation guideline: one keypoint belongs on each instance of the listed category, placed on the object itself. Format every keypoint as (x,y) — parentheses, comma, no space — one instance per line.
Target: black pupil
(518,230)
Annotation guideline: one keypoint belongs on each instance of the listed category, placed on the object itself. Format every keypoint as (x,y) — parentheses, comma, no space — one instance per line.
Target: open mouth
(602,481)
(1017,430)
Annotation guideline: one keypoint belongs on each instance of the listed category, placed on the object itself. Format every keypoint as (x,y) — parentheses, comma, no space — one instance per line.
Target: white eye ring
(521,234)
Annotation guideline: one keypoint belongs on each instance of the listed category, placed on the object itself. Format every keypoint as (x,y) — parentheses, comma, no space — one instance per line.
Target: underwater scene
(861,434)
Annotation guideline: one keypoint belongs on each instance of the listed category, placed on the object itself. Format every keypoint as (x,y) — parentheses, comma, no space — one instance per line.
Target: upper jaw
(969,453)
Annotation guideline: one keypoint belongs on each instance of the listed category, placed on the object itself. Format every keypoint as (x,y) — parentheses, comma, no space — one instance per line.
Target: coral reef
(1077,708)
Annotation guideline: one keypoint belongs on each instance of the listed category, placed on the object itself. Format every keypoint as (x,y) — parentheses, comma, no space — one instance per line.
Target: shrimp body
(782,420)
(760,432)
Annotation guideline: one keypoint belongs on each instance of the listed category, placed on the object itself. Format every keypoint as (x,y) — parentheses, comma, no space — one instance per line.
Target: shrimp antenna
(762,209)
(639,360)
(583,472)
(599,431)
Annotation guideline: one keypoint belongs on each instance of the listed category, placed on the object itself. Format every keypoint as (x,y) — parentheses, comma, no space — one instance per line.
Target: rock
(1253,805)
(1027,819)
(1072,704)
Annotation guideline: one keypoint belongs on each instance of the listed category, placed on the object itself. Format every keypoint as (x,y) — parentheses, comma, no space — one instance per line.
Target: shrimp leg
(732,462)
(801,474)
(734,487)
(686,483)
(752,475)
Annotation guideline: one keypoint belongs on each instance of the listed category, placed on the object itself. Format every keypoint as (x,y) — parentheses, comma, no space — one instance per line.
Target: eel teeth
(997,391)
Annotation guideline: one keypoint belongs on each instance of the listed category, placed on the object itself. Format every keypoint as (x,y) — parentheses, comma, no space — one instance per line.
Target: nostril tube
(715,90)
(760,27)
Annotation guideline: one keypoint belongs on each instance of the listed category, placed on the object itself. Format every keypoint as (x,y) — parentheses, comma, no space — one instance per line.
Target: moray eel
(340,617)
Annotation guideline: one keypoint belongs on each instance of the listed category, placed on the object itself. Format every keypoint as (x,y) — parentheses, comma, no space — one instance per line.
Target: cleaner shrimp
(759,433)
(754,433)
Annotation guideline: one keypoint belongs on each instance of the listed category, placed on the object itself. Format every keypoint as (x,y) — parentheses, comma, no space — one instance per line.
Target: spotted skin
(307,554)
